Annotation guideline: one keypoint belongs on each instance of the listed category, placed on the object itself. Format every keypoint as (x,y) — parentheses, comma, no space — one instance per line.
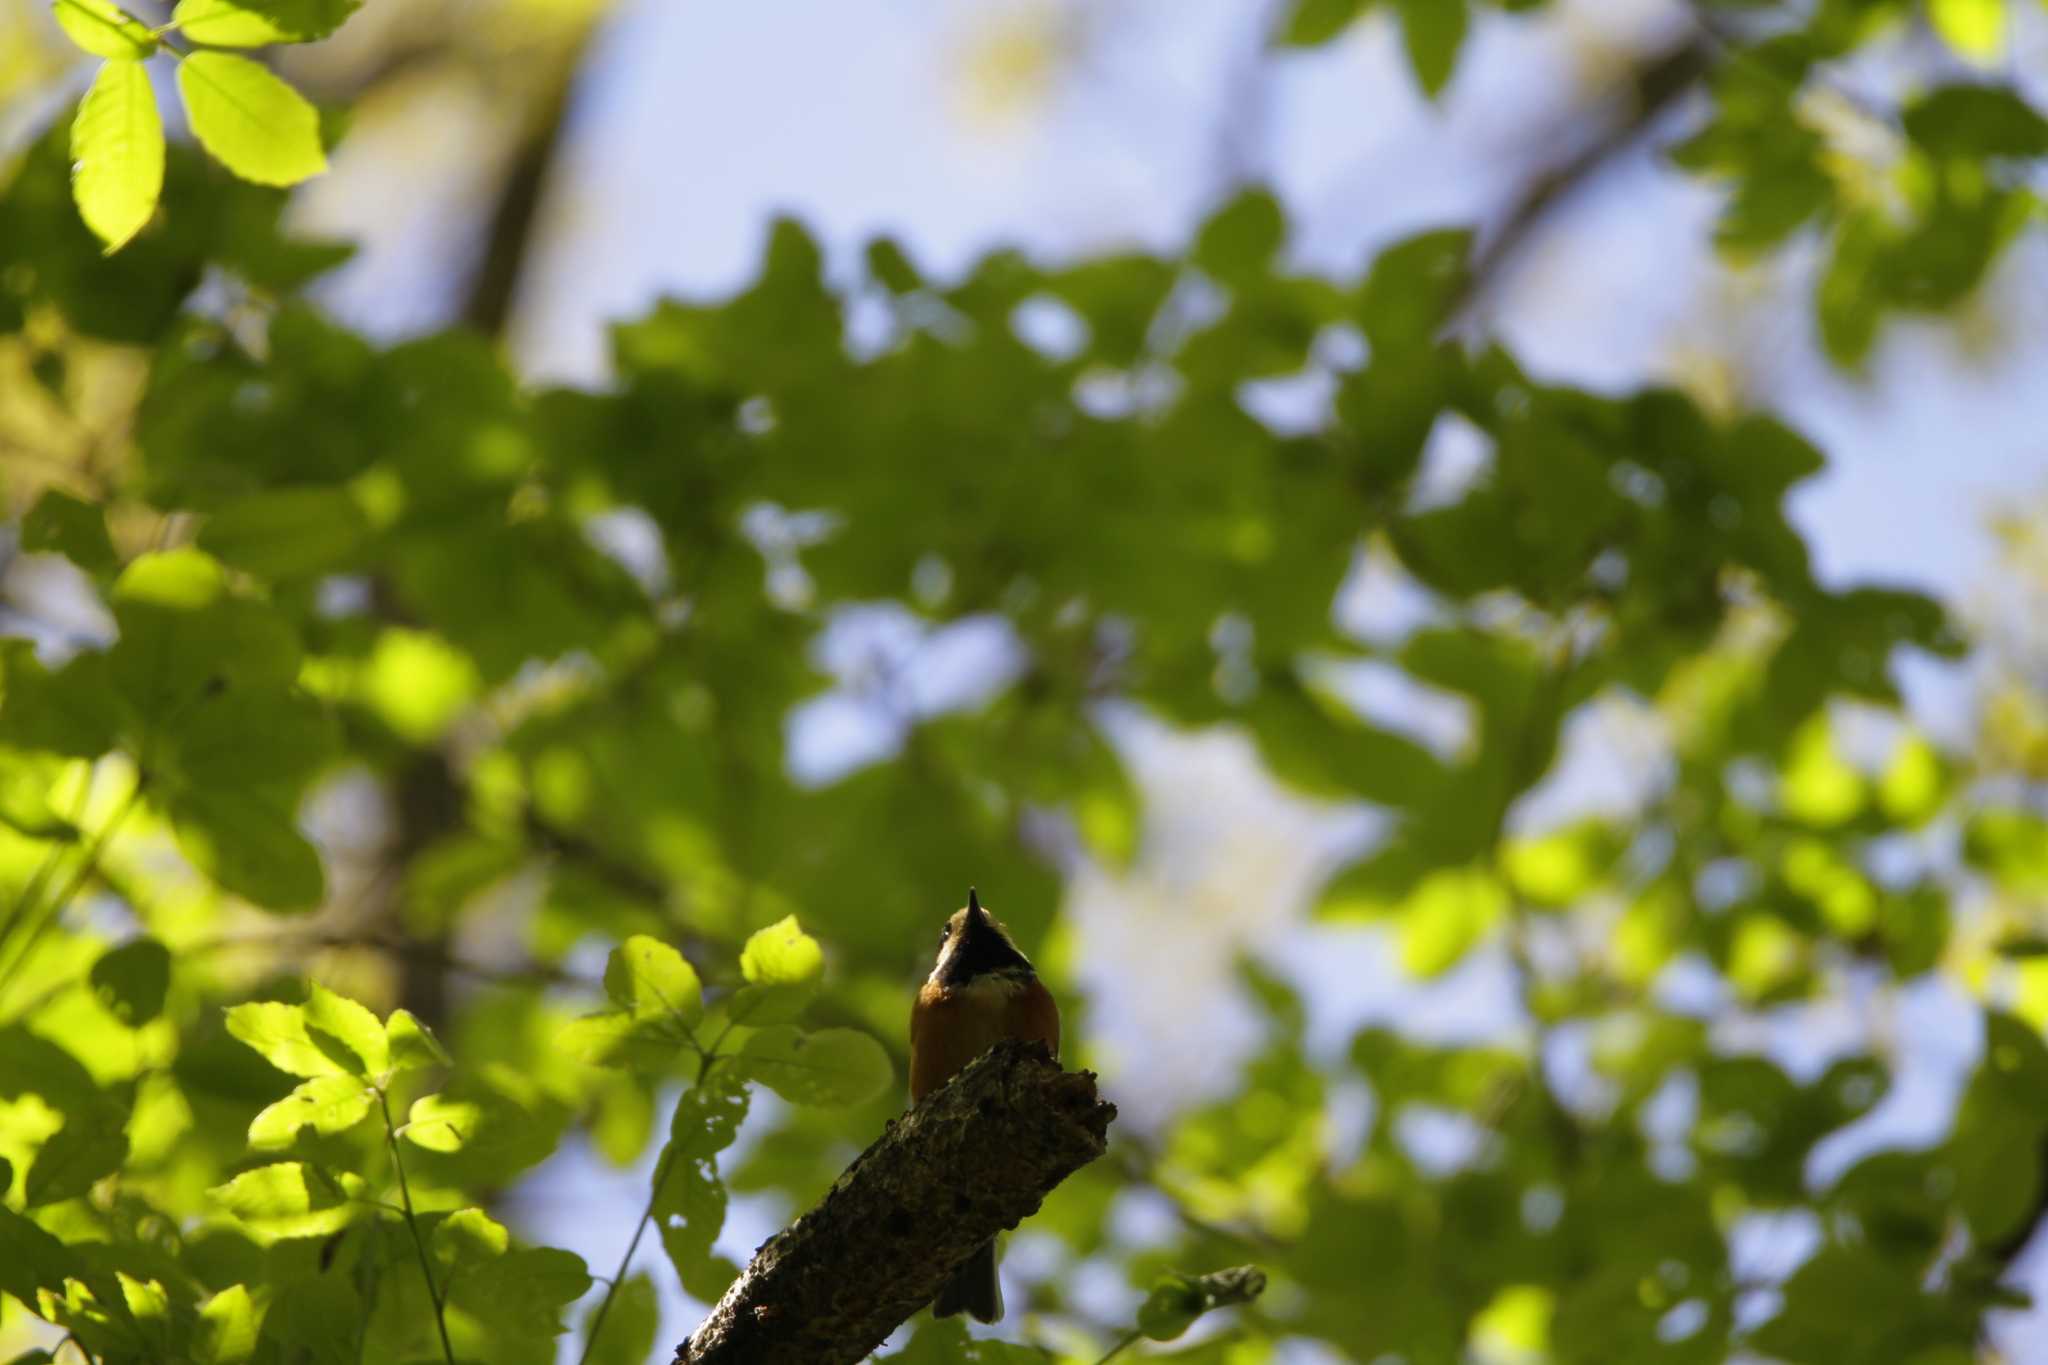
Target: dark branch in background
(508,236)
(975,1158)
(1654,87)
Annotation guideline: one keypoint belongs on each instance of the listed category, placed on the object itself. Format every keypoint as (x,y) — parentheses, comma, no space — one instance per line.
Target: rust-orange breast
(950,1028)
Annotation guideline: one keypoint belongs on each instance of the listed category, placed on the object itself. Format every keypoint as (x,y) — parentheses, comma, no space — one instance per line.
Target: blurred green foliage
(331,566)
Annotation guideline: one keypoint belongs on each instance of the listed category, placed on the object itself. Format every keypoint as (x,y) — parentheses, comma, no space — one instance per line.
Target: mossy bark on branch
(975,1158)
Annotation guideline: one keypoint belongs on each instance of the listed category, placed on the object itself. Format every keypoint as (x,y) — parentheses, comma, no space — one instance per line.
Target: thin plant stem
(412,1222)
(88,863)
(662,1170)
(31,891)
(1124,1343)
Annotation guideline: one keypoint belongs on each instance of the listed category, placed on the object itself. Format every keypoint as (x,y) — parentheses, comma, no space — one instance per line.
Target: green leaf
(651,980)
(1914,783)
(284,533)
(522,1293)
(290,1199)
(782,966)
(30,1258)
(1446,918)
(690,1202)
(278,1032)
(1434,31)
(889,267)
(260,128)
(1976,121)
(150,1309)
(227,1329)
(1974,28)
(238,738)
(1408,296)
(1241,239)
(183,637)
(1174,1304)
(1311,23)
(31,1064)
(72,527)
(627,1334)
(1170,1309)
(317,1320)
(831,1067)
(413,1044)
(249,842)
(131,980)
(707,1119)
(117,153)
(468,1237)
(73,711)
(27,781)
(74,1159)
(781,955)
(258,23)
(99,27)
(326,1104)
(483,1130)
(2011,844)
(354,1025)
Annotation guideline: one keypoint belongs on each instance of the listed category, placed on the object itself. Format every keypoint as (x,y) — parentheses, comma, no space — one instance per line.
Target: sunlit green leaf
(782,966)
(326,1104)
(482,1130)
(651,980)
(468,1238)
(278,1032)
(353,1024)
(103,29)
(27,781)
(117,150)
(258,23)
(413,1044)
(290,1199)
(227,1328)
(1818,786)
(1446,917)
(1974,28)
(259,127)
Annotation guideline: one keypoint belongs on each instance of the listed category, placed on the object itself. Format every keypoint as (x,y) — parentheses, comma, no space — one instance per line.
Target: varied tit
(981,991)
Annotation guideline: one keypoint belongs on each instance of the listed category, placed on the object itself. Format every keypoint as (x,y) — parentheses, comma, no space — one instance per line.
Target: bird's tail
(974,1288)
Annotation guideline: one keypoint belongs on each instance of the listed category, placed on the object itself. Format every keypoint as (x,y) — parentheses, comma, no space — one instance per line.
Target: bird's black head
(975,943)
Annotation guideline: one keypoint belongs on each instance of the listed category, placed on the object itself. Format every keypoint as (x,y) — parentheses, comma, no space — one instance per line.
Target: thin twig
(419,1243)
(663,1169)
(1124,1343)
(88,863)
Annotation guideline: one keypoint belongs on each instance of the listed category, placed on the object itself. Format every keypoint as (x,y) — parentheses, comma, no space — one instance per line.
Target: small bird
(981,991)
